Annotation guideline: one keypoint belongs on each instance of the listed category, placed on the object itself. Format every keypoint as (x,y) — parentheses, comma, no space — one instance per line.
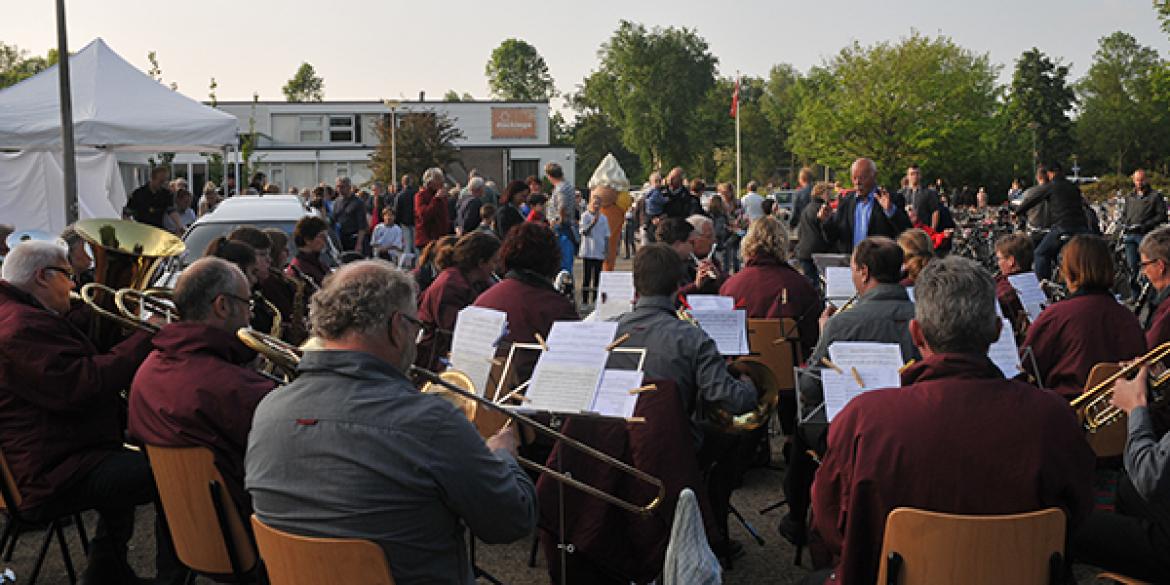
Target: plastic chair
(923,547)
(206,529)
(306,560)
(10,500)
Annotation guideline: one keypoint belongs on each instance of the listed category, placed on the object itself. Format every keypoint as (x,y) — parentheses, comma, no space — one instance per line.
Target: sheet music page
(839,283)
(574,335)
(840,388)
(615,291)
(566,381)
(727,328)
(478,330)
(1004,353)
(1031,295)
(711,303)
(910,293)
(477,367)
(613,394)
(866,354)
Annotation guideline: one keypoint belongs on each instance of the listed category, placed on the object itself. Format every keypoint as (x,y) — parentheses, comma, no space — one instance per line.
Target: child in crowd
(594,239)
(487,219)
(536,208)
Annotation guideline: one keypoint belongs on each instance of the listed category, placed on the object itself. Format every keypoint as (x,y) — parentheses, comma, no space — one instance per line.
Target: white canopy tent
(116,107)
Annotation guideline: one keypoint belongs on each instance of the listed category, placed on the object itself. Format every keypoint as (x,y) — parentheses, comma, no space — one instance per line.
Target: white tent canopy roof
(114,105)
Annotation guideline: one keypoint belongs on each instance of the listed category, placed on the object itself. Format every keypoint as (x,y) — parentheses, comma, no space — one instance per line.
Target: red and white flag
(735,99)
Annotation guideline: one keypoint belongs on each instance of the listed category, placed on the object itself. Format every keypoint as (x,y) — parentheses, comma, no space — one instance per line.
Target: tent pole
(239,191)
(223,180)
(70,162)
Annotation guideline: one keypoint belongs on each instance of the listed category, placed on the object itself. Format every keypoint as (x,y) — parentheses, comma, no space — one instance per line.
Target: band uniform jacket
(59,405)
(710,286)
(431,221)
(1077,333)
(1158,328)
(1010,305)
(307,266)
(839,227)
(768,288)
(438,309)
(197,389)
(532,305)
(955,438)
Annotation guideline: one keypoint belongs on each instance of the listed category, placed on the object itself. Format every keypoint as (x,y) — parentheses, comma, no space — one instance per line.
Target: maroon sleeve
(1159,331)
(830,489)
(234,415)
(1068,476)
(1044,348)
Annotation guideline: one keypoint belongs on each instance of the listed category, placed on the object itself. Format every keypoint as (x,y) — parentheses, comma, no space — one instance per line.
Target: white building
(302,144)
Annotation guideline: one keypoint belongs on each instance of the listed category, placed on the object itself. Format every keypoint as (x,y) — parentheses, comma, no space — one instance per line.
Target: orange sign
(513,122)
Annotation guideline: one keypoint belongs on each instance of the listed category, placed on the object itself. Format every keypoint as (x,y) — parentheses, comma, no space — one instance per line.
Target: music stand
(824,261)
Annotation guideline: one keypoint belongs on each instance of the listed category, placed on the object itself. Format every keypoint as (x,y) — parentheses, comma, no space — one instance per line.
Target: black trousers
(719,460)
(590,278)
(1134,541)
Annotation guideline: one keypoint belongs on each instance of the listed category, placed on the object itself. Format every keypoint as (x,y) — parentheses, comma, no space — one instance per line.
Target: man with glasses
(1155,264)
(202,356)
(352,449)
(61,412)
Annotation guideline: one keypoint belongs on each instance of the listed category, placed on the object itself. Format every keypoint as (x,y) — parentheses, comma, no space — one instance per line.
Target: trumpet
(288,356)
(1093,407)
(154,300)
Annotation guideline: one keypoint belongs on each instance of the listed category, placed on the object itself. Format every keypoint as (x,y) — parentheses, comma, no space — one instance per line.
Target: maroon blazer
(532,305)
(1159,331)
(710,287)
(430,217)
(196,389)
(308,264)
(760,289)
(1010,305)
(59,406)
(438,309)
(1073,335)
(956,438)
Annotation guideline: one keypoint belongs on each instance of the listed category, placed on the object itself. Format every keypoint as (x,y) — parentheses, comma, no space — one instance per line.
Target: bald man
(867,211)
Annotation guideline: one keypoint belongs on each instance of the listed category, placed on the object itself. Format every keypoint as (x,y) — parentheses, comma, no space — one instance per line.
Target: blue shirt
(861,213)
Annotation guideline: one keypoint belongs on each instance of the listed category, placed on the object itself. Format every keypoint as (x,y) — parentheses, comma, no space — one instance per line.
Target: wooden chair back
(305,560)
(775,343)
(931,547)
(1107,441)
(1119,578)
(183,476)
(10,493)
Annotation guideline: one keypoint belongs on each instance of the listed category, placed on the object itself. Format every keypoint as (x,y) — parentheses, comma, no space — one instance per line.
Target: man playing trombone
(352,449)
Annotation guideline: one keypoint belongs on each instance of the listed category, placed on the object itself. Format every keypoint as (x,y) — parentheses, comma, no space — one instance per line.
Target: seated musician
(1155,255)
(769,288)
(680,351)
(1087,328)
(917,252)
(680,235)
(436,256)
(456,287)
(264,314)
(310,236)
(290,295)
(532,259)
(1134,541)
(1013,255)
(709,275)
(197,388)
(351,449)
(881,313)
(61,412)
(79,313)
(955,438)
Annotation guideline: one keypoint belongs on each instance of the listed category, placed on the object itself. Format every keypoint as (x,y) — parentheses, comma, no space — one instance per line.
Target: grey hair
(872,167)
(344,180)
(698,221)
(203,281)
(431,174)
(475,184)
(23,261)
(1156,244)
(955,305)
(360,297)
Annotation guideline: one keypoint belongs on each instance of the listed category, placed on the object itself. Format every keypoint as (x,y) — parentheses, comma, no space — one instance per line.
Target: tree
(594,135)
(16,65)
(1163,9)
(424,140)
(155,71)
(650,84)
(1037,107)
(923,100)
(305,86)
(517,72)
(1122,122)
(454,96)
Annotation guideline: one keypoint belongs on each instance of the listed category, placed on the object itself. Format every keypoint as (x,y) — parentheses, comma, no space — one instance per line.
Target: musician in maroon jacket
(1155,255)
(197,389)
(769,288)
(955,438)
(431,220)
(455,288)
(1087,328)
(531,257)
(60,411)
(1013,255)
(310,236)
(702,276)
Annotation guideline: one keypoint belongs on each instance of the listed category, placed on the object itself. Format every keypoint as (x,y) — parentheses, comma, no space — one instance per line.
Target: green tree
(305,86)
(517,72)
(16,65)
(594,135)
(1037,106)
(1163,9)
(454,96)
(922,100)
(651,84)
(424,140)
(1122,122)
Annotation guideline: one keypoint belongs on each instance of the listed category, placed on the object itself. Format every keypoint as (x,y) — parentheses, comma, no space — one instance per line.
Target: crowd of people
(350,448)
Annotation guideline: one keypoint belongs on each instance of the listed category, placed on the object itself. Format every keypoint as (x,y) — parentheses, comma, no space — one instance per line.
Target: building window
(312,129)
(341,169)
(524,168)
(341,128)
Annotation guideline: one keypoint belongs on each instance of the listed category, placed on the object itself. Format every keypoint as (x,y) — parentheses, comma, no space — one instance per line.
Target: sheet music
(574,335)
(477,367)
(711,303)
(866,354)
(613,394)
(727,328)
(910,293)
(840,388)
(566,381)
(1004,353)
(477,332)
(1031,295)
(839,283)
(615,293)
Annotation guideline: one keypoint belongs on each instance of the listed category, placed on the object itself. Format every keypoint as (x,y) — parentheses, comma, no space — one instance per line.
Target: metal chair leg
(32,579)
(65,556)
(7,532)
(533,551)
(13,536)
(81,533)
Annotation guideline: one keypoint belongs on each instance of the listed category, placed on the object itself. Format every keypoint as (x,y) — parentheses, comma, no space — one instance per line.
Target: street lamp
(393,106)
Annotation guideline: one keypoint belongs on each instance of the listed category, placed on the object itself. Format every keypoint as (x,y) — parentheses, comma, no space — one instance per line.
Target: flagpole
(66,103)
(738,179)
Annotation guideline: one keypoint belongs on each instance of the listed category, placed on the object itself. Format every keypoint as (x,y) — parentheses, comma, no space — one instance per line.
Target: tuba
(767,397)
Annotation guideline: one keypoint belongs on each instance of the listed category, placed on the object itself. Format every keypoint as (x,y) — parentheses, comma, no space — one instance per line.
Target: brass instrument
(155,300)
(1093,407)
(283,356)
(768,397)
(449,386)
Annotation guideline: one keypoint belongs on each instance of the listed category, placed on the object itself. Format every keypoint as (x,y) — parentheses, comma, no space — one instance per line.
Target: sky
(370,50)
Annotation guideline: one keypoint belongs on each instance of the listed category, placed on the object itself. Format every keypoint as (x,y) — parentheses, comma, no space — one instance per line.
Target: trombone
(1093,407)
(155,300)
(287,356)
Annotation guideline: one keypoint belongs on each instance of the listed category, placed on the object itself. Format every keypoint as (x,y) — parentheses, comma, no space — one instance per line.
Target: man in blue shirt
(856,217)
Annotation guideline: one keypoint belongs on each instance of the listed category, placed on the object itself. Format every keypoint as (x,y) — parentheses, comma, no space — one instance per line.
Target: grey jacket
(1147,459)
(350,449)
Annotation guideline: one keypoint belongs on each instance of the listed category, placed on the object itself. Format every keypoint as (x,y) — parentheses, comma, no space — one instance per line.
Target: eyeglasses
(411,320)
(247,301)
(68,272)
(1145,263)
